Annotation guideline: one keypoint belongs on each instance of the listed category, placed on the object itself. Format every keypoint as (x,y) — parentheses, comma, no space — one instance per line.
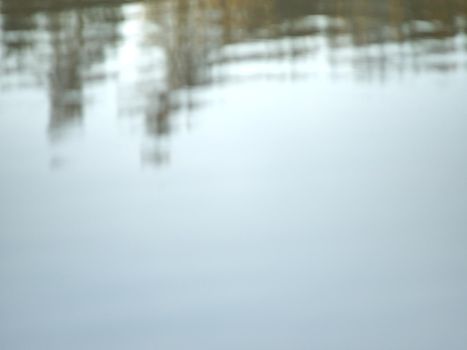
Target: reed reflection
(65,43)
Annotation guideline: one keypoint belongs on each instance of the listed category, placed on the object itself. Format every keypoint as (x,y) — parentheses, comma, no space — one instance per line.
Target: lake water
(233,174)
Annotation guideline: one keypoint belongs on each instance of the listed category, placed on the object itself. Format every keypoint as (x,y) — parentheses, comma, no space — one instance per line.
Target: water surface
(233,174)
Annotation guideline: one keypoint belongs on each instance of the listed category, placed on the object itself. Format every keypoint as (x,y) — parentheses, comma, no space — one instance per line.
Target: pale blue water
(233,175)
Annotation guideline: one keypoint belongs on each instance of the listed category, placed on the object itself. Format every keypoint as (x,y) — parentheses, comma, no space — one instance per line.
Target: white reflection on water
(311,192)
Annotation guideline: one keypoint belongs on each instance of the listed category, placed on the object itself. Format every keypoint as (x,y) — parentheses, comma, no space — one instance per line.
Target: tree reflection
(197,35)
(60,41)
(65,40)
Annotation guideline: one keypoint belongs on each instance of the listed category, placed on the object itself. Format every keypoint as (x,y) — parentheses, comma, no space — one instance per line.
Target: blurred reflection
(60,42)
(65,42)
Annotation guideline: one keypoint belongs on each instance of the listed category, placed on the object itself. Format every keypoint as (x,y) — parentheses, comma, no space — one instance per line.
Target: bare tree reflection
(196,37)
(65,78)
(64,39)
(61,41)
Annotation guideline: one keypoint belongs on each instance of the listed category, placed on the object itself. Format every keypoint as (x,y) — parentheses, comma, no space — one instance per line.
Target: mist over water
(233,174)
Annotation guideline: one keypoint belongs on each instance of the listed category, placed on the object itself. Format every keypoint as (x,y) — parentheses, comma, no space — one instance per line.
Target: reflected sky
(233,174)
